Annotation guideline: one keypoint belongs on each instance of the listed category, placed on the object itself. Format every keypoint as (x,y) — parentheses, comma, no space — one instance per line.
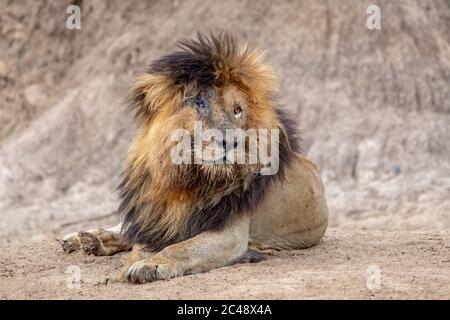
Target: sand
(411,265)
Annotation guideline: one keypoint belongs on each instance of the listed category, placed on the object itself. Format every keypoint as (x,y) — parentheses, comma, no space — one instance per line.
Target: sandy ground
(412,265)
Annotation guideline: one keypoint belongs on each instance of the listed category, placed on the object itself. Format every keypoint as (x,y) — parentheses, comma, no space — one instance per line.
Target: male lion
(188,218)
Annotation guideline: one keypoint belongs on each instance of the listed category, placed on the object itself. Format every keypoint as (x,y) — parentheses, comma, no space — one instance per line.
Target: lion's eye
(237,110)
(201,102)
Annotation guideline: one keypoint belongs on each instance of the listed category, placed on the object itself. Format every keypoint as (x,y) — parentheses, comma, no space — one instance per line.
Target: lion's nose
(224,144)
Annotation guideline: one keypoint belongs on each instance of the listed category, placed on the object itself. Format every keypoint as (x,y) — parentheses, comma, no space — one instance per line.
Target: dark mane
(198,59)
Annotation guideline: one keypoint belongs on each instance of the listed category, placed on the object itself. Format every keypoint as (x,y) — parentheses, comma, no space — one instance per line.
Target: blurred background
(373,106)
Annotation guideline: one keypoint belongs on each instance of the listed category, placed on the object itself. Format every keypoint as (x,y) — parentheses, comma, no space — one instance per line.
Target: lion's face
(201,111)
(213,121)
(220,108)
(219,112)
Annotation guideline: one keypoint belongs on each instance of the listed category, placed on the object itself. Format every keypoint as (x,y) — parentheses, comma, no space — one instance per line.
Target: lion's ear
(154,92)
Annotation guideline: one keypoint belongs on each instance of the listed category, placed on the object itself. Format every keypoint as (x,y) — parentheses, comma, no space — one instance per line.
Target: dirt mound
(373,105)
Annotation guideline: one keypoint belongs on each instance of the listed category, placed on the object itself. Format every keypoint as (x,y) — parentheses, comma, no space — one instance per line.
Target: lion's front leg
(204,252)
(100,242)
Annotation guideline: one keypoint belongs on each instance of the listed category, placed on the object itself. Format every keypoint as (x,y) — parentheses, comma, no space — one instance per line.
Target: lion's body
(294,213)
(189,218)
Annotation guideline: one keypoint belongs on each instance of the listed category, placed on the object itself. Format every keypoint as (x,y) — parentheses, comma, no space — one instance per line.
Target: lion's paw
(70,243)
(86,241)
(145,271)
(89,242)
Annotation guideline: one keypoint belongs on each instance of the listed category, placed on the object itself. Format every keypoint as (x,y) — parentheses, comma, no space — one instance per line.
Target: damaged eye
(201,102)
(237,110)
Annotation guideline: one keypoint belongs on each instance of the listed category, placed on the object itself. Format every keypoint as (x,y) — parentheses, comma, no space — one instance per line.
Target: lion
(188,218)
